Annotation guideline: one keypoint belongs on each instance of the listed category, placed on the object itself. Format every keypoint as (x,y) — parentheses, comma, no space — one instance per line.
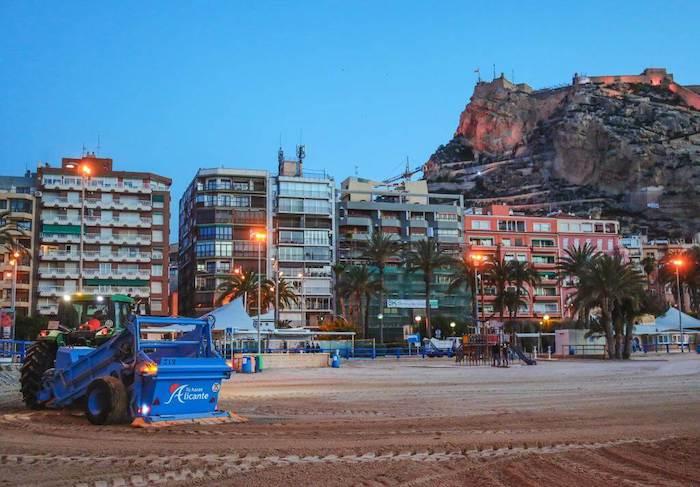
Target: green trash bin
(259,363)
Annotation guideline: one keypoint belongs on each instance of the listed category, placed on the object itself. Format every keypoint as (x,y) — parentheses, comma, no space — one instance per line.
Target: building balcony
(448,224)
(142,222)
(118,205)
(47,309)
(359,236)
(129,257)
(416,223)
(391,222)
(59,255)
(60,238)
(60,219)
(70,184)
(356,220)
(116,274)
(54,291)
(59,202)
(451,240)
(119,187)
(139,292)
(54,273)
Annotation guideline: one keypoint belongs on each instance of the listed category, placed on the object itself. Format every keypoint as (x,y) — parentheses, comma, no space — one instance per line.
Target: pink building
(497,231)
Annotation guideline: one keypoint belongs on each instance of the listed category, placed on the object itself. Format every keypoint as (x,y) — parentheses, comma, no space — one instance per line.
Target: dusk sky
(174,86)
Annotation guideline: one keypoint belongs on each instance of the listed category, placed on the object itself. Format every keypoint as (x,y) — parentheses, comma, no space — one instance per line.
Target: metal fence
(583,351)
(13,350)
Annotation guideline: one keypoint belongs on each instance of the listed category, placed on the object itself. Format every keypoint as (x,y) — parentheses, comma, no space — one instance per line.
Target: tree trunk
(428,330)
(607,324)
(381,304)
(367,299)
(629,330)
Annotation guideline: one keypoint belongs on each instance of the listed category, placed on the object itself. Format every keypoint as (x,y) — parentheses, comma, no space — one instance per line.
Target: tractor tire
(40,357)
(107,401)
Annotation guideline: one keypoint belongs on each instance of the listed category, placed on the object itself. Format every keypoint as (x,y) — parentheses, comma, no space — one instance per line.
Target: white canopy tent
(668,323)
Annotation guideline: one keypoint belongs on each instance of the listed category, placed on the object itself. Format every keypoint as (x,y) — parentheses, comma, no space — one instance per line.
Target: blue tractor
(122,368)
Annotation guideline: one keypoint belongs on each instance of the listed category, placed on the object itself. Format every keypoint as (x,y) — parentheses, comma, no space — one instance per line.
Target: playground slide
(519,352)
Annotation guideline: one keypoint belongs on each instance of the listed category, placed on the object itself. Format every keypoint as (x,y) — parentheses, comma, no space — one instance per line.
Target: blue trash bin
(335,361)
(697,348)
(247,367)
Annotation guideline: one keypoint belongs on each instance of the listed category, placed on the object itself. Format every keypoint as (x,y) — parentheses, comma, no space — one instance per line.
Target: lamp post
(259,237)
(303,298)
(13,293)
(84,174)
(452,325)
(477,259)
(418,318)
(278,274)
(677,264)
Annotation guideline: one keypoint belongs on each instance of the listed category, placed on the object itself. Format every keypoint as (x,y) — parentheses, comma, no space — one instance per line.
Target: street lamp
(259,237)
(477,259)
(678,263)
(84,174)
(300,275)
(453,325)
(13,295)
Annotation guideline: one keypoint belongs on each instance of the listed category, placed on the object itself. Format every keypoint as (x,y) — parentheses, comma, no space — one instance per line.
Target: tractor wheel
(40,358)
(107,401)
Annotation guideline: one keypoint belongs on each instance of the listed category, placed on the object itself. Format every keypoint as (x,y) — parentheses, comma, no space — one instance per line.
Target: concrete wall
(293,360)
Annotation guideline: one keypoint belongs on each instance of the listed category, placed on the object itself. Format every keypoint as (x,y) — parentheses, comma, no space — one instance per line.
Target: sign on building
(410,303)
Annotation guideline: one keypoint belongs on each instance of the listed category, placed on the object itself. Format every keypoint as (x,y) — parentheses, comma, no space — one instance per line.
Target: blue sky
(173,86)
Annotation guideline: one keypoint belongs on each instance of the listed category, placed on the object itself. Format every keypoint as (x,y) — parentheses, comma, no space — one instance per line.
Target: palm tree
(575,260)
(9,234)
(380,249)
(522,275)
(338,283)
(498,274)
(610,284)
(238,285)
(512,301)
(649,266)
(464,275)
(286,294)
(360,283)
(426,256)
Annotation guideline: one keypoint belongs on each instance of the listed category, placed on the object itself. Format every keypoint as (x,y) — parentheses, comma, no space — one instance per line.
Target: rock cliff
(626,146)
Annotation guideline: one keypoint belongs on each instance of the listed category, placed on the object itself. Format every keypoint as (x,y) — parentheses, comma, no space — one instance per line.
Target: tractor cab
(88,319)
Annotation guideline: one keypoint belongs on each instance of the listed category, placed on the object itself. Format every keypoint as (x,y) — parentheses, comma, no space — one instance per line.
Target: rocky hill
(624,146)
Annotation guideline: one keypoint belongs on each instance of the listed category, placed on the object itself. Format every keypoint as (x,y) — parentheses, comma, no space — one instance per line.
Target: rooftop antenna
(82,153)
(478,75)
(356,170)
(97,150)
(494,71)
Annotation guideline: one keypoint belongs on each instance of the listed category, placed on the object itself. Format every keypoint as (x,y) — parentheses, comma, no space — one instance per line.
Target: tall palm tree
(464,275)
(607,282)
(286,294)
(512,301)
(426,256)
(380,249)
(521,275)
(338,283)
(244,284)
(649,266)
(360,283)
(10,234)
(576,260)
(498,274)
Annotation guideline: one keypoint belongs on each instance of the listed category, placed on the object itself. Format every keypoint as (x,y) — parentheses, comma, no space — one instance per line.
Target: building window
(542,242)
(481,225)
(481,241)
(542,227)
(447,232)
(157,218)
(446,217)
(542,308)
(511,226)
(543,259)
(316,237)
(23,206)
(156,306)
(291,253)
(157,270)
(291,236)
(587,227)
(157,235)
(545,291)
(156,287)
(218,232)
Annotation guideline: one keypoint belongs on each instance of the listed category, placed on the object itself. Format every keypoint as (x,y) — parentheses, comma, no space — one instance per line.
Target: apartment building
(101,231)
(409,213)
(17,213)
(219,211)
(304,228)
(498,231)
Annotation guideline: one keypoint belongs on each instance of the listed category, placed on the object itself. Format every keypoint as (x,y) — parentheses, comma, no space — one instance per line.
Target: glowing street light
(259,237)
(678,263)
(477,260)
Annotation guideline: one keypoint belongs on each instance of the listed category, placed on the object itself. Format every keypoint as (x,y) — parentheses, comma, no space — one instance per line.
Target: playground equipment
(440,348)
(119,375)
(488,349)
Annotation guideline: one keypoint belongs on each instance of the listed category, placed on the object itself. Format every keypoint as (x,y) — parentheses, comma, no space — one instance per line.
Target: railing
(59,254)
(13,350)
(583,351)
